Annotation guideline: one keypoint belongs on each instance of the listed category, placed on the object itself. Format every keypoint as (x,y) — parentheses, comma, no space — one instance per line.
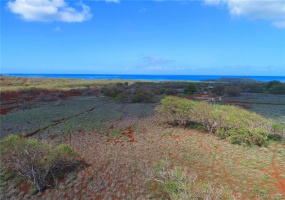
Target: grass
(19,83)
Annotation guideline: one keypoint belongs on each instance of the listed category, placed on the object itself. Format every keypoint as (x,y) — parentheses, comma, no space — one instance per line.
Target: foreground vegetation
(40,163)
(228,122)
(128,151)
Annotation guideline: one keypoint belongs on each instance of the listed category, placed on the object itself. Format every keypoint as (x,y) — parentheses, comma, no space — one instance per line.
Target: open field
(122,144)
(19,83)
(269,105)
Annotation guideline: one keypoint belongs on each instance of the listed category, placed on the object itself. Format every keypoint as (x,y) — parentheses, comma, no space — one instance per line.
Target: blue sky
(207,37)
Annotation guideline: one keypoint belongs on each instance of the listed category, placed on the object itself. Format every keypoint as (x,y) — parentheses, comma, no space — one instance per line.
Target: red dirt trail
(280,181)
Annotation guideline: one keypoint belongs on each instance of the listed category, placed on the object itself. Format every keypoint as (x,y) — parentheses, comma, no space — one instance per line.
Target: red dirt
(9,103)
(32,133)
(130,134)
(24,187)
(8,95)
(52,137)
(280,181)
(260,103)
(20,96)
(4,111)
(244,105)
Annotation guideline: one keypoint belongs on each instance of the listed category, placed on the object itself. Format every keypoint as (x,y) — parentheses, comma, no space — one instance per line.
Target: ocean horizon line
(147,77)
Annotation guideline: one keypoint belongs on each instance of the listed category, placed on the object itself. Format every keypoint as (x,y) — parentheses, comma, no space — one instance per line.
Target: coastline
(149,77)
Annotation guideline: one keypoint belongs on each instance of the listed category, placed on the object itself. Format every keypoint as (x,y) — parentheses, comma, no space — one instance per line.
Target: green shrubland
(228,122)
(176,110)
(40,163)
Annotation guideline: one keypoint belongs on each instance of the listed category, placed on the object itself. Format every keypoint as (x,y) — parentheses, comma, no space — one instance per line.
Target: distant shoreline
(149,77)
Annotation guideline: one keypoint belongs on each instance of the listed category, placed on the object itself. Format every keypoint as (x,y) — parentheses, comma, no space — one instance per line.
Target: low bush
(279,129)
(218,90)
(232,123)
(143,95)
(190,89)
(229,122)
(271,84)
(175,109)
(131,94)
(171,92)
(40,163)
(253,87)
(232,91)
(109,92)
(176,183)
(277,89)
(243,136)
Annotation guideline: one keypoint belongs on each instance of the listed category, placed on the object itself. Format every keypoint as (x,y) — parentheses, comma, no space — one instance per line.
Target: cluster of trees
(40,163)
(144,92)
(275,87)
(126,93)
(228,122)
(272,87)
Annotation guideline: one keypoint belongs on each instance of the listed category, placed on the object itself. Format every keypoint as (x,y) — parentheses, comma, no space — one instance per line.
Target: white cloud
(155,63)
(49,10)
(272,10)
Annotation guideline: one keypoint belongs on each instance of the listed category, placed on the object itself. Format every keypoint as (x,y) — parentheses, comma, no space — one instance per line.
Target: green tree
(233,91)
(218,90)
(272,84)
(190,89)
(253,87)
(278,89)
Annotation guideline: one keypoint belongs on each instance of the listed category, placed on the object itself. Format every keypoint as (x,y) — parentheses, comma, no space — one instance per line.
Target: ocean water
(147,77)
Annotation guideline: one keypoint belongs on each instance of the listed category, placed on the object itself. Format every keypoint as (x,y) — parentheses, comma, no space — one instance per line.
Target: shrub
(272,84)
(243,136)
(279,129)
(277,89)
(143,95)
(218,90)
(176,183)
(253,87)
(229,122)
(176,109)
(190,89)
(233,91)
(159,91)
(38,162)
(235,124)
(171,92)
(109,92)
(200,114)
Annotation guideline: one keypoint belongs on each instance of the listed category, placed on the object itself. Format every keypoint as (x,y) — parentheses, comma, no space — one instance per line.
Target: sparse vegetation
(178,183)
(37,162)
